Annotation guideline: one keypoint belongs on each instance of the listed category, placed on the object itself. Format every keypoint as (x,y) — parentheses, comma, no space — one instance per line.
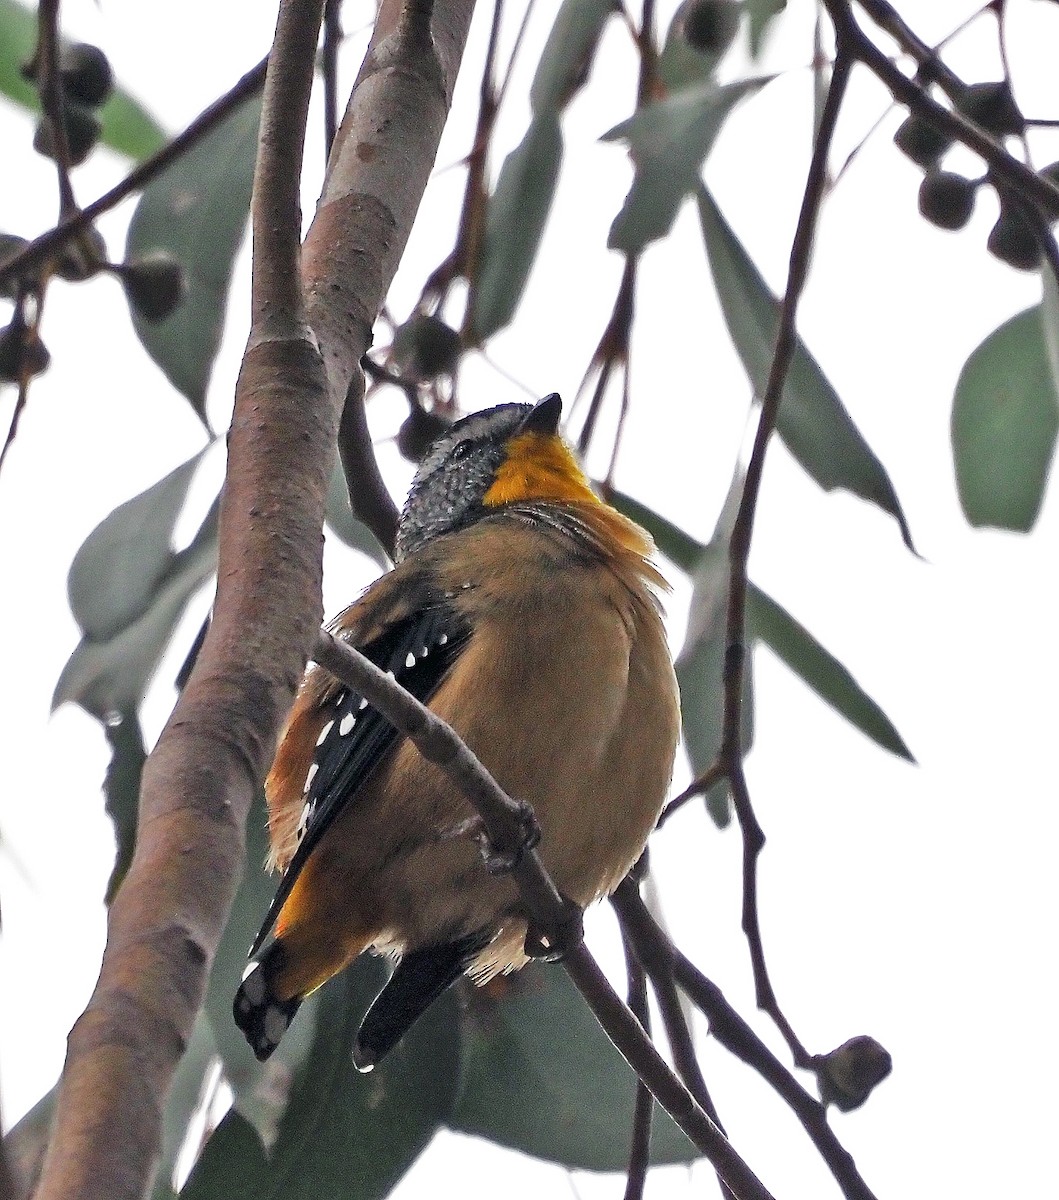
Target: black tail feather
(418,980)
(262,1016)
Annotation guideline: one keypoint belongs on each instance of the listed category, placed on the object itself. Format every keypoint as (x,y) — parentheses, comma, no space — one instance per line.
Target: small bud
(848,1076)
(920,142)
(22,354)
(82,133)
(10,245)
(1012,241)
(947,199)
(992,106)
(419,430)
(154,285)
(85,74)
(425,347)
(709,26)
(82,256)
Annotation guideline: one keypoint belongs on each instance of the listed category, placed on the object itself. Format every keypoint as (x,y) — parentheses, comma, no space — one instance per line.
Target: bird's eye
(461,449)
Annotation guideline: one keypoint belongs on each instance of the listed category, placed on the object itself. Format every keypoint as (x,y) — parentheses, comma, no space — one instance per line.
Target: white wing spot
(348,721)
(443,639)
(362,705)
(324,732)
(410,661)
(310,776)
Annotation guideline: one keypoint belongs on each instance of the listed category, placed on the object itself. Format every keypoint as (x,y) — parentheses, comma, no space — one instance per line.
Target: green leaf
(682,64)
(110,677)
(345,526)
(813,423)
(1005,415)
(26,1142)
(127,126)
(259,1092)
(196,211)
(352,1135)
(120,564)
(568,53)
(1050,324)
(669,140)
(542,1077)
(700,675)
(232,1165)
(121,791)
(761,14)
(680,547)
(514,223)
(797,647)
(184,1098)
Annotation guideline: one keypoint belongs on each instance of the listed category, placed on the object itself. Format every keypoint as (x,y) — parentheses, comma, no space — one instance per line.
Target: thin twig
(660,957)
(50,243)
(643,1109)
(52,100)
(739,547)
(507,823)
(329,68)
(698,787)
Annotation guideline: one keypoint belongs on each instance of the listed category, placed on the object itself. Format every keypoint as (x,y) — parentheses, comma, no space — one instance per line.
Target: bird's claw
(552,945)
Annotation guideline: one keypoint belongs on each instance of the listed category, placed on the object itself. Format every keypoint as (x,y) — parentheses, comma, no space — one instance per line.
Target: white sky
(914,904)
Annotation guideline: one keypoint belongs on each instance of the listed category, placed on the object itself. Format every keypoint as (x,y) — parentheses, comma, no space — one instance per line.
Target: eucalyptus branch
(739,546)
(52,101)
(49,244)
(198,783)
(643,1108)
(508,826)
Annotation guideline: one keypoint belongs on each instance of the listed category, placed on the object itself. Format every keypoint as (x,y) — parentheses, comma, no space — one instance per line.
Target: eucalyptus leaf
(1005,416)
(541,1076)
(812,421)
(120,564)
(232,1165)
(796,646)
(185,1095)
(352,1135)
(680,547)
(669,141)
(196,212)
(568,53)
(761,14)
(514,224)
(345,526)
(121,791)
(682,63)
(126,125)
(261,1090)
(109,677)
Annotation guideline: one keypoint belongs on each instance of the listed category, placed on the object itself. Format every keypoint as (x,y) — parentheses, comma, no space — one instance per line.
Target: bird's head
(510,454)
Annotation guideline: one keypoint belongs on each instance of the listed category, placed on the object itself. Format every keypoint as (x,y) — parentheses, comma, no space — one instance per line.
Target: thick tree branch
(506,823)
(380,162)
(166,920)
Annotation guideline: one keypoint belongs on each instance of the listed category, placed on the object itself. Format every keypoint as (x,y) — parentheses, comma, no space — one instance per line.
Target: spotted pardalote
(524,610)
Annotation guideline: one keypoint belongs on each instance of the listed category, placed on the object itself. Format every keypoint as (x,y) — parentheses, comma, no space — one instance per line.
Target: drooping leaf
(796,646)
(761,14)
(1050,324)
(674,543)
(345,526)
(196,211)
(185,1095)
(261,1090)
(1005,416)
(514,223)
(232,1165)
(111,676)
(351,1135)
(126,126)
(120,564)
(542,1077)
(567,53)
(26,1142)
(669,141)
(812,421)
(121,790)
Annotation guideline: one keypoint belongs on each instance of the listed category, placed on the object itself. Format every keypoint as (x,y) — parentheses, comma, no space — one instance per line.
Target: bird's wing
(418,648)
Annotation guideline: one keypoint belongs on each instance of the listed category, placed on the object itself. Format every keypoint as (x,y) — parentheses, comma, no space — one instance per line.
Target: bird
(525,612)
